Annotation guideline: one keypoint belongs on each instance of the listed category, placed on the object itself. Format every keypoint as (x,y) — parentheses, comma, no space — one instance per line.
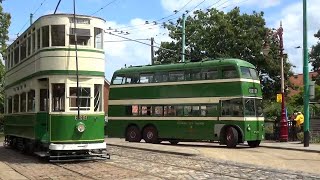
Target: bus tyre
(133,134)
(150,135)
(231,137)
(254,144)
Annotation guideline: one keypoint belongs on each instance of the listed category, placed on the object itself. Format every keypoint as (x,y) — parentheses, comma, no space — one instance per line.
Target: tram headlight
(81,127)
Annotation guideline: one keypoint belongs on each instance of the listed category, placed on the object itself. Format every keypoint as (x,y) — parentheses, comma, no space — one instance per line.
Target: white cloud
(292,21)
(119,54)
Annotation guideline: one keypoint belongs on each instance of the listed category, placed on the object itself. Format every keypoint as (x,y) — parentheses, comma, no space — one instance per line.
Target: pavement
(181,147)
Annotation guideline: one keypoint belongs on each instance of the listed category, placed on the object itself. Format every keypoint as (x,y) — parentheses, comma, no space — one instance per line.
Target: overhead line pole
(57,7)
(152,51)
(306,137)
(76,49)
(183,36)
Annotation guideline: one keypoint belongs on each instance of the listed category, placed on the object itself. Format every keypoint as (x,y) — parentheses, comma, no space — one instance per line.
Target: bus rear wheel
(254,144)
(133,134)
(231,137)
(150,135)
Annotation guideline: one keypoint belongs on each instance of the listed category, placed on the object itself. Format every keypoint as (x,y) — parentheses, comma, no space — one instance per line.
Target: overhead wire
(111,2)
(32,14)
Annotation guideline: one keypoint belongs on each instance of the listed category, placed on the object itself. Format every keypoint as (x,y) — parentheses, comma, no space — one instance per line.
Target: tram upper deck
(47,47)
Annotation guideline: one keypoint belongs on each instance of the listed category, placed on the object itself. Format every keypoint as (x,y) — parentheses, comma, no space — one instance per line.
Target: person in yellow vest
(300,120)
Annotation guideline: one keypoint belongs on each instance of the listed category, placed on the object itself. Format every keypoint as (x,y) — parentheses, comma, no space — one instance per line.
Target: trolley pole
(283,122)
(183,36)
(152,51)
(306,136)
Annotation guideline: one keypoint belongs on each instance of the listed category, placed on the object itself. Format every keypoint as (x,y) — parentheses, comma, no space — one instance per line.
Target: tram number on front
(81,117)
(253,90)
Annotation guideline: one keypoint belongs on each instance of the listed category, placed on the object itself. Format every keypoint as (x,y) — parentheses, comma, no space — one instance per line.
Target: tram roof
(188,65)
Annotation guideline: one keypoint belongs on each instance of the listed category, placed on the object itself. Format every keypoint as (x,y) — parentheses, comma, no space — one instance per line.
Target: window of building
(229,72)
(45,36)
(176,76)
(84,98)
(33,47)
(98,38)
(16,103)
(83,36)
(43,100)
(98,97)
(9,105)
(118,80)
(23,50)
(146,78)
(31,101)
(58,97)
(23,102)
(38,39)
(29,46)
(58,35)
(210,74)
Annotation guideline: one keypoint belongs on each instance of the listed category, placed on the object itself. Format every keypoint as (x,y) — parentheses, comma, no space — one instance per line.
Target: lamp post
(283,121)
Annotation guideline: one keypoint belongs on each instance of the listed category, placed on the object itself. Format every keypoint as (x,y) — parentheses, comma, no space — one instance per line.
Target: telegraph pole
(183,36)
(306,80)
(152,51)
(31,17)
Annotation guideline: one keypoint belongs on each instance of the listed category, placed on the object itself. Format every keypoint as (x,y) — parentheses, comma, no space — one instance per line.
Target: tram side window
(58,35)
(38,39)
(16,103)
(9,105)
(161,77)
(43,100)
(31,100)
(33,42)
(98,97)
(29,46)
(23,102)
(11,61)
(23,50)
(98,38)
(16,54)
(176,76)
(83,36)
(229,72)
(84,98)
(193,75)
(58,97)
(45,36)
(146,78)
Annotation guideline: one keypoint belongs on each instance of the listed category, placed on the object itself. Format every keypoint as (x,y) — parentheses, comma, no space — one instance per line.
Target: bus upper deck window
(176,76)
(245,72)
(118,80)
(254,74)
(229,72)
(146,78)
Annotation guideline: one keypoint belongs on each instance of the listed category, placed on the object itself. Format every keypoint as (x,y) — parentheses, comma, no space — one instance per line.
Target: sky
(131,16)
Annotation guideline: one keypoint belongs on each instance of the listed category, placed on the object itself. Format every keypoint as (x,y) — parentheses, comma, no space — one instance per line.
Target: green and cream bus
(211,100)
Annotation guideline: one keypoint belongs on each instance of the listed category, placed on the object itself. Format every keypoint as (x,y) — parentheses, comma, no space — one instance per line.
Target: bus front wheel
(231,137)
(150,134)
(133,134)
(254,144)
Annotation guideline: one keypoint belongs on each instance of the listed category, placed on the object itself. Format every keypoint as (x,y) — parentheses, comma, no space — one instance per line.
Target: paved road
(129,163)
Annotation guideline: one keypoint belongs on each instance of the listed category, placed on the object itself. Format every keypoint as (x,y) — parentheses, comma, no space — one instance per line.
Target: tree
(215,34)
(315,54)
(4,26)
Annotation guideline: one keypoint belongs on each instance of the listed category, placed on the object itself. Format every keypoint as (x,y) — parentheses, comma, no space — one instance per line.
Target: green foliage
(4,26)
(216,34)
(272,110)
(315,54)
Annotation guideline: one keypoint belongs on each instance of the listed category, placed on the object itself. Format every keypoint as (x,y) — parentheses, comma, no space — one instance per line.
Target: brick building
(297,80)
(106,95)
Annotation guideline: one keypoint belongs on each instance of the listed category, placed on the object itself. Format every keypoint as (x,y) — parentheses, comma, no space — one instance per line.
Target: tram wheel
(133,134)
(150,135)
(254,144)
(231,137)
(173,142)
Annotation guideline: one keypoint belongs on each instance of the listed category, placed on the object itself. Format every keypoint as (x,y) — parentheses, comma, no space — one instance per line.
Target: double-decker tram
(211,100)
(42,104)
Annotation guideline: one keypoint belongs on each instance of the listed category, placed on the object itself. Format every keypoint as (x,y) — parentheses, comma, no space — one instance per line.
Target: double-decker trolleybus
(211,100)
(41,113)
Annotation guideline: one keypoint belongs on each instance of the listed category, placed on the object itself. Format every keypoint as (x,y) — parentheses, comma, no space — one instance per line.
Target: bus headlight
(81,127)
(248,128)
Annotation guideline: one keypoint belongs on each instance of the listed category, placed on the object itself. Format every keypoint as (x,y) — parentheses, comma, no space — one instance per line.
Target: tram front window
(84,98)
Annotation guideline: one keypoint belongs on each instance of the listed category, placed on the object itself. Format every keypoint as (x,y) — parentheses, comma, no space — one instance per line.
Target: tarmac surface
(289,155)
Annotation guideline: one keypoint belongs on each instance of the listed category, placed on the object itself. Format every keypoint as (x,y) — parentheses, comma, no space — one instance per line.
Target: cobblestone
(128,163)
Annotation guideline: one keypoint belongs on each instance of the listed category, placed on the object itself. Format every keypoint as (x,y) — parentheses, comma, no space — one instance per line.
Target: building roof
(297,80)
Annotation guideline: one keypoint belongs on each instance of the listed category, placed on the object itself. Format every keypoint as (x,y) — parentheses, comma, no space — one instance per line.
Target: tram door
(43,114)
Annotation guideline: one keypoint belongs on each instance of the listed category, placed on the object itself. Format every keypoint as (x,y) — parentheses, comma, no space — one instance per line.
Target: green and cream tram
(41,113)
(211,100)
